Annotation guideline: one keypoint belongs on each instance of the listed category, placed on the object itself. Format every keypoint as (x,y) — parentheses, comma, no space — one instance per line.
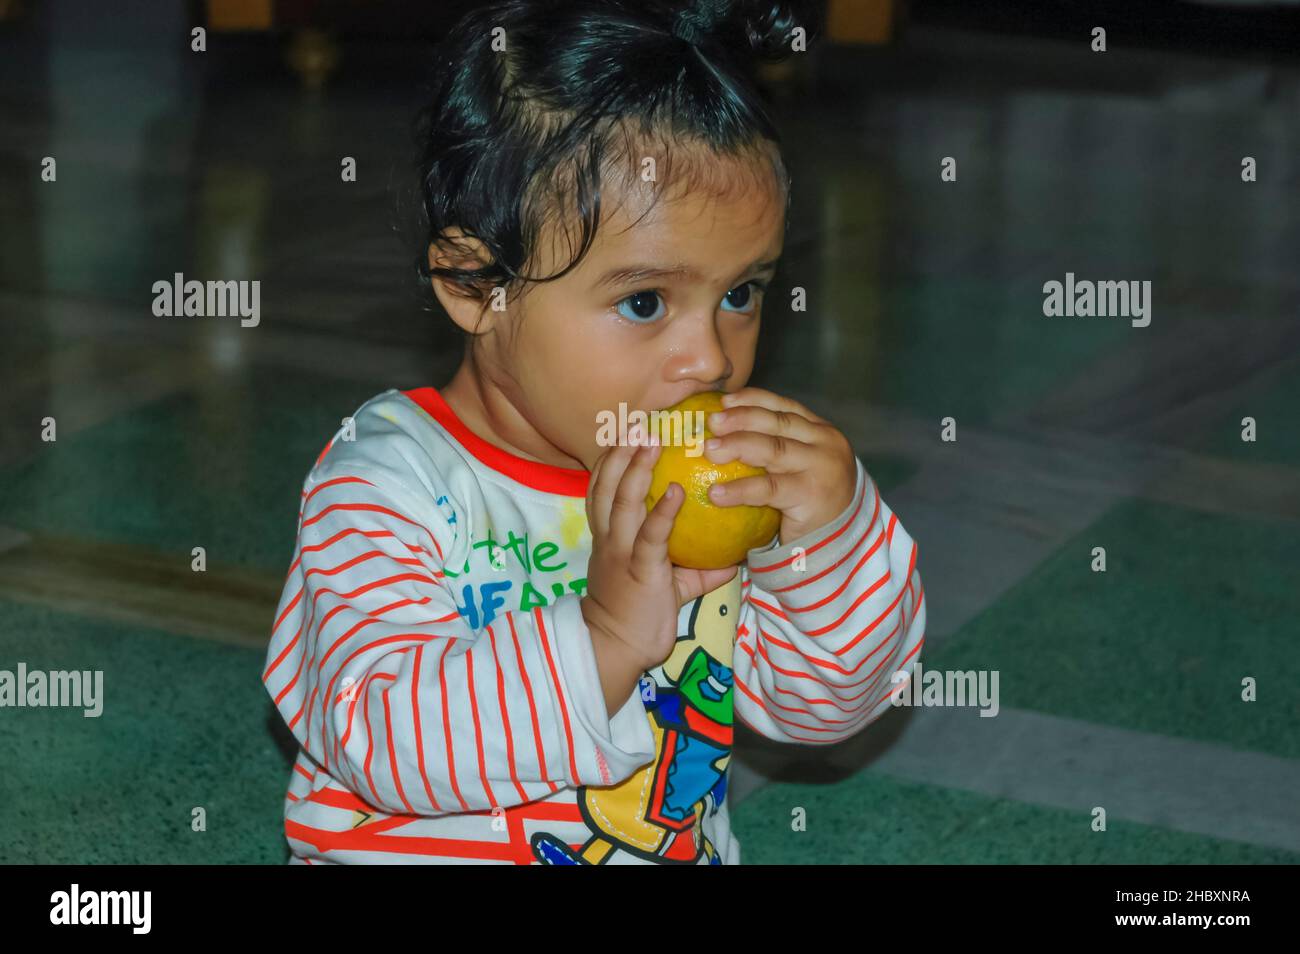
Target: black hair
(512,137)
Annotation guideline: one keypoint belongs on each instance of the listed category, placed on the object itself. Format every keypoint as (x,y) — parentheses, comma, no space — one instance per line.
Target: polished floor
(1120,690)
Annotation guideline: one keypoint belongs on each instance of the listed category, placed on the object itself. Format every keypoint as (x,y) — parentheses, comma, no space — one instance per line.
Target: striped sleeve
(384,684)
(825,623)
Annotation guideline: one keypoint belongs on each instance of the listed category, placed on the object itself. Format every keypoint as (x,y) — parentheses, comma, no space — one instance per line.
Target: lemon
(705,536)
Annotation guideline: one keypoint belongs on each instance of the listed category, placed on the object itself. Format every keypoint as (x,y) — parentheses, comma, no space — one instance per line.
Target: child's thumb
(695,583)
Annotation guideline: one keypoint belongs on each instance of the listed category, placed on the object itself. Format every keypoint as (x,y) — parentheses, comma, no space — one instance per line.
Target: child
(482,648)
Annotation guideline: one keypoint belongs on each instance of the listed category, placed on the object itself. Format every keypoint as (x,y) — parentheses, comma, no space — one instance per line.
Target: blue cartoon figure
(655,813)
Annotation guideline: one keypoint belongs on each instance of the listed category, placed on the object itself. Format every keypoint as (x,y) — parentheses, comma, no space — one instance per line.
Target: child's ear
(455,249)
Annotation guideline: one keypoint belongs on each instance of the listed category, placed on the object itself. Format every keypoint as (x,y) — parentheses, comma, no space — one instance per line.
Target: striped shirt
(430,656)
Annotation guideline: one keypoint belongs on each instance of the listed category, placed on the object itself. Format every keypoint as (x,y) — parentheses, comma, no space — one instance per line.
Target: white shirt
(430,657)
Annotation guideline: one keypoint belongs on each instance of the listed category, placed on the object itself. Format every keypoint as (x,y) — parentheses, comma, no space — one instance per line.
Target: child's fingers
(781,491)
(600,494)
(651,547)
(627,509)
(769,451)
(773,402)
(592,483)
(763,420)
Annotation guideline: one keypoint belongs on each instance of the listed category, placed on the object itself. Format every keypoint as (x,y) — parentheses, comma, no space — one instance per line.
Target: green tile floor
(874,819)
(176,474)
(185,724)
(1188,606)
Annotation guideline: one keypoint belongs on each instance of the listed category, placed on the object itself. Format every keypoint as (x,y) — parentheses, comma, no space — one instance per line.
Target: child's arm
(384,683)
(820,637)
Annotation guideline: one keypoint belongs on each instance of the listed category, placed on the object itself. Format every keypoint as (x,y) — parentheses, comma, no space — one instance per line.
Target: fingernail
(713,443)
(717,491)
(716,418)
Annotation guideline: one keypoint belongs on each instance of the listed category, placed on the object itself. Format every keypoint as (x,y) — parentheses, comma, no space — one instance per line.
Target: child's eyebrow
(629,274)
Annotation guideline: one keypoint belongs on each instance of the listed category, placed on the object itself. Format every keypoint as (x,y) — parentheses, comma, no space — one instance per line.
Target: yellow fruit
(705,536)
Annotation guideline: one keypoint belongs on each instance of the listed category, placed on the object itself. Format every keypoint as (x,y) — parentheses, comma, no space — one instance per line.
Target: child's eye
(742,297)
(643,307)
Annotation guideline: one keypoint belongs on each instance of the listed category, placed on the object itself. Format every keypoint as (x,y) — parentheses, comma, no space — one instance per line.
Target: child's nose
(703,359)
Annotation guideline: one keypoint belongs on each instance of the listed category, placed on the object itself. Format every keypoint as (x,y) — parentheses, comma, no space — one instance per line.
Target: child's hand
(633,591)
(811,469)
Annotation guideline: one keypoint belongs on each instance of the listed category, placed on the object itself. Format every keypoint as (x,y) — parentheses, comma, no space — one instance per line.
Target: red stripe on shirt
(419,731)
(478,730)
(532,704)
(392,752)
(555,677)
(505,718)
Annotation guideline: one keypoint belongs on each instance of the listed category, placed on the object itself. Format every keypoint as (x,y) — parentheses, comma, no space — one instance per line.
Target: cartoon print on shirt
(655,813)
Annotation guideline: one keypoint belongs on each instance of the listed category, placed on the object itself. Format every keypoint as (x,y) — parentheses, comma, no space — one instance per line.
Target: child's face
(580,345)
